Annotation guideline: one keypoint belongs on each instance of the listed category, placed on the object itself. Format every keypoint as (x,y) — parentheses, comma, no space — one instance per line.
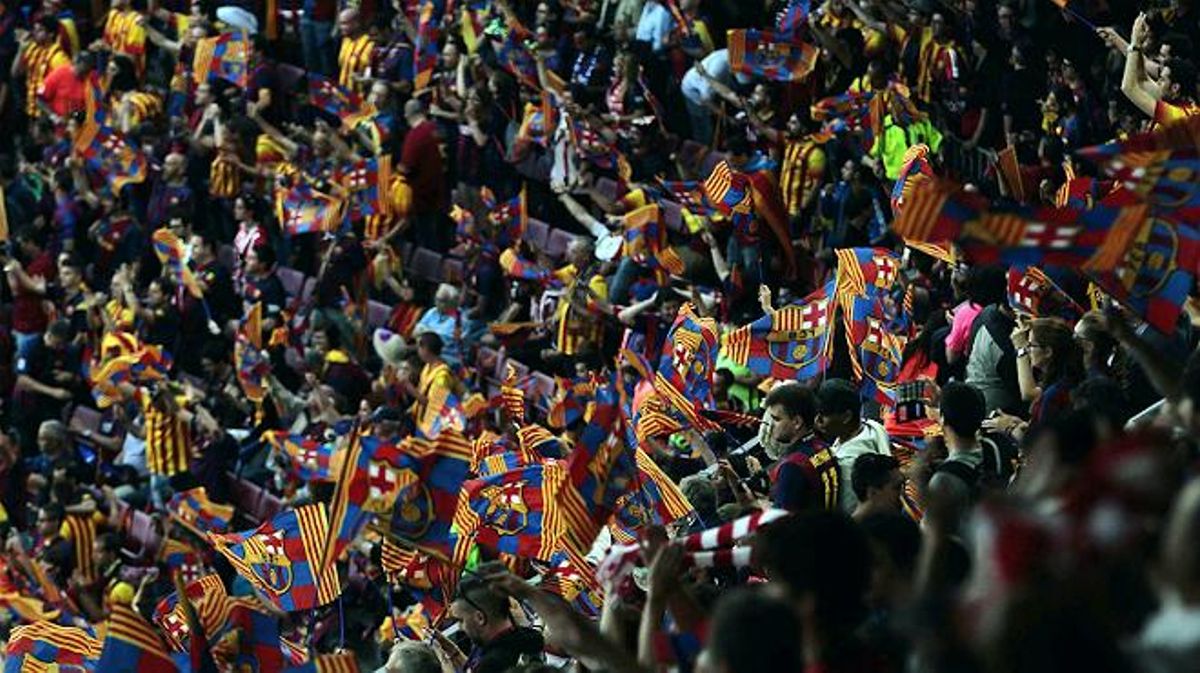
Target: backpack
(994,473)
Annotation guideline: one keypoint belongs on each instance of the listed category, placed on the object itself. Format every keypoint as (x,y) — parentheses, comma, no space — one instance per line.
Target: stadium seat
(144,532)
(427,264)
(609,188)
(452,271)
(536,233)
(556,245)
(377,314)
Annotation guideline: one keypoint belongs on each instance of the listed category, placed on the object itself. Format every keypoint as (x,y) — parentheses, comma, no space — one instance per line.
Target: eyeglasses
(1032,346)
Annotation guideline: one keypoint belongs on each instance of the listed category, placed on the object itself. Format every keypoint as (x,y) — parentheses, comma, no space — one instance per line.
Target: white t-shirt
(872,438)
(697,89)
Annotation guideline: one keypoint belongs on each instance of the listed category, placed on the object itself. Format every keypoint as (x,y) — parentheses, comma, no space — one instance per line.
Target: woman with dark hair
(1049,367)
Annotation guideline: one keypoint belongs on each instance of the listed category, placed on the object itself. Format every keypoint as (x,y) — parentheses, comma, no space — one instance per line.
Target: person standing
(39,55)
(839,420)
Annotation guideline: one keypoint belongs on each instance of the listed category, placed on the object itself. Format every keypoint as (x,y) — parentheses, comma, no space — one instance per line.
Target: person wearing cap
(840,422)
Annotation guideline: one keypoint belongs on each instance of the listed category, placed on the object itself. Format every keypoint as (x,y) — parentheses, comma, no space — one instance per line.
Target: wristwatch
(1022,352)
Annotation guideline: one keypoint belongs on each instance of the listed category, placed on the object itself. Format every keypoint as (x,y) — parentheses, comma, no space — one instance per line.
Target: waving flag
(793,343)
(425,510)
(18,609)
(515,266)
(792,17)
(107,152)
(49,643)
(913,171)
(850,106)
(302,209)
(1093,240)
(194,510)
(226,56)
(876,351)
(211,602)
(655,500)
(1031,292)
(366,181)
(344,662)
(280,558)
(685,370)
(169,250)
(646,240)
(369,480)
(429,27)
(1156,275)
(347,106)
(863,272)
(514,57)
(181,558)
(770,56)
(309,459)
(515,512)
(131,645)
(260,648)
(571,578)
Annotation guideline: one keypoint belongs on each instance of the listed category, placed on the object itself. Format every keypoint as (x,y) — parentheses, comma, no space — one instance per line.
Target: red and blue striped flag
(281,558)
(193,509)
(793,343)
(792,17)
(107,152)
(309,459)
(226,56)
(50,643)
(169,250)
(210,600)
(302,209)
(685,369)
(425,51)
(132,645)
(764,54)
(515,512)
(1031,292)
(876,351)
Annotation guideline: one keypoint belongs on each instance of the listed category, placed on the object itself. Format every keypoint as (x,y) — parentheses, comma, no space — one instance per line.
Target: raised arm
(1133,81)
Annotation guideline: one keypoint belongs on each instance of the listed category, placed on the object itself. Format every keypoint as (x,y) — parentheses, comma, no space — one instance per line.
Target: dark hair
(480,596)
(823,554)
(1067,363)
(1104,399)
(986,285)
(1183,73)
(62,329)
(963,408)
(753,631)
(266,254)
(871,470)
(897,534)
(796,399)
(49,24)
(836,396)
(34,235)
(430,342)
(71,261)
(54,511)
(331,332)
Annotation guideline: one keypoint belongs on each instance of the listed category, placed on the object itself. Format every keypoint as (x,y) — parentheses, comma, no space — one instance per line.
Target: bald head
(414,109)
(348,23)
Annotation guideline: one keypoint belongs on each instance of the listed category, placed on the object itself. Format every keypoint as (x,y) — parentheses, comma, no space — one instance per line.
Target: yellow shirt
(353,60)
(801,173)
(124,35)
(40,60)
(435,383)
(573,329)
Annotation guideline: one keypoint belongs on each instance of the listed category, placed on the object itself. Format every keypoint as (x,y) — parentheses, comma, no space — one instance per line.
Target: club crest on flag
(413,515)
(1151,259)
(507,510)
(793,348)
(267,558)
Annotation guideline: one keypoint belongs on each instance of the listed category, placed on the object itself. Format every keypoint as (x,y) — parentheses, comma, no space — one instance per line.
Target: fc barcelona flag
(514,57)
(646,240)
(793,343)
(685,369)
(252,367)
(1094,240)
(107,152)
(515,512)
(169,250)
(913,171)
(280,558)
(226,56)
(793,16)
(194,510)
(875,351)
(309,458)
(853,105)
(328,97)
(302,209)
(367,181)
(654,500)
(1156,275)
(424,511)
(1032,292)
(429,27)
(70,647)
(343,662)
(132,645)
(863,272)
(770,56)
(211,602)
(515,266)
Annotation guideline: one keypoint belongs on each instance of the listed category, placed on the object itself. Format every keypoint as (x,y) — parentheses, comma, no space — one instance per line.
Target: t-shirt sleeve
(960,330)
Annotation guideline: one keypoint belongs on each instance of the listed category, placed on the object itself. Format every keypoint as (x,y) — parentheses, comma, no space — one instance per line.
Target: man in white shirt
(654,26)
(701,87)
(839,421)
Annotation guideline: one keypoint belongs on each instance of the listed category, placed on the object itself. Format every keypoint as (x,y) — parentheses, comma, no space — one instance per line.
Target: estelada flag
(793,343)
(280,558)
(764,54)
(132,645)
(226,56)
(194,510)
